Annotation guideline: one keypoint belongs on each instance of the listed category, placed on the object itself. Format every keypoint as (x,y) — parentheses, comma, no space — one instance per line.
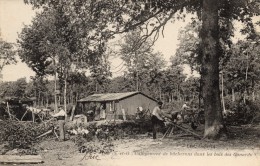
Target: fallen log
(17,159)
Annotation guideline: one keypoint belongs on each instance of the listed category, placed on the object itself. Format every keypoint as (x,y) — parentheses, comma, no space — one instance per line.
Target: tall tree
(140,59)
(100,73)
(54,44)
(133,52)
(210,69)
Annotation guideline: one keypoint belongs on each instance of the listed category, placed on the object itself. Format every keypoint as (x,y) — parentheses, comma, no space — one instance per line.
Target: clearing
(242,148)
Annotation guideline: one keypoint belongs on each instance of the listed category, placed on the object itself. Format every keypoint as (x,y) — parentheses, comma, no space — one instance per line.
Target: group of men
(158,118)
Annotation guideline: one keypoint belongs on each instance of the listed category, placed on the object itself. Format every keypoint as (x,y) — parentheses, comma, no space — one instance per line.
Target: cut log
(16,159)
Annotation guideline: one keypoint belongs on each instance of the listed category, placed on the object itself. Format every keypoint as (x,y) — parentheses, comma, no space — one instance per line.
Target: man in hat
(157,118)
(61,115)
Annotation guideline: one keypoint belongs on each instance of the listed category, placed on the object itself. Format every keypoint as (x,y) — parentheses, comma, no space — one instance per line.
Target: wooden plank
(166,132)
(25,159)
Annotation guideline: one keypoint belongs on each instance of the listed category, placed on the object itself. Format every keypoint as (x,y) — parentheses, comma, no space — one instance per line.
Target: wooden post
(123,112)
(33,116)
(24,114)
(114,110)
(61,129)
(72,112)
(8,110)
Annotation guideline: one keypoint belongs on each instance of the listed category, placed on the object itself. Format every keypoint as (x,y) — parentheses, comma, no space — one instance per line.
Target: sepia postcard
(140,102)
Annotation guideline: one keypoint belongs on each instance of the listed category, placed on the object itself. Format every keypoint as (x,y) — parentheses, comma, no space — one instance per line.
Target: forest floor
(241,148)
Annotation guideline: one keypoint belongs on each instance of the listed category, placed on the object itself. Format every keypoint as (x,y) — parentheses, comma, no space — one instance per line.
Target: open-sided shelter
(116,105)
(14,107)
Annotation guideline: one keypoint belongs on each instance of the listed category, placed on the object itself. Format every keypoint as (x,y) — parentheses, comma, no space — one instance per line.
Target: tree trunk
(233,95)
(77,97)
(245,89)
(59,100)
(137,81)
(210,71)
(71,96)
(42,100)
(200,91)
(47,100)
(39,98)
(65,92)
(222,92)
(160,93)
(96,87)
(55,89)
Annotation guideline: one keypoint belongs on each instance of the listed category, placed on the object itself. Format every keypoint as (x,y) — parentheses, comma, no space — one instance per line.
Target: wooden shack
(116,105)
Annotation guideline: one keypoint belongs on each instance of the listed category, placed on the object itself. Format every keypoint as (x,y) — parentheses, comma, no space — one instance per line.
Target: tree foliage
(14,89)
(242,69)
(189,50)
(142,63)
(7,53)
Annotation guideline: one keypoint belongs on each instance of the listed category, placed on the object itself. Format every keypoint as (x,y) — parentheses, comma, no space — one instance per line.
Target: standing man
(61,115)
(157,118)
(102,111)
(184,110)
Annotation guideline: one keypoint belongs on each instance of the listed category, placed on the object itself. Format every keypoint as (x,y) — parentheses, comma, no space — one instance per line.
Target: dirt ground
(241,148)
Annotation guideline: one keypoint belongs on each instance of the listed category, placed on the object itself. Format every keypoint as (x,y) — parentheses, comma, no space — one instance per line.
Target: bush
(242,113)
(173,106)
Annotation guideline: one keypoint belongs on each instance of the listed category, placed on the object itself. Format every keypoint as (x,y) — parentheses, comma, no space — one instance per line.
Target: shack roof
(110,96)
